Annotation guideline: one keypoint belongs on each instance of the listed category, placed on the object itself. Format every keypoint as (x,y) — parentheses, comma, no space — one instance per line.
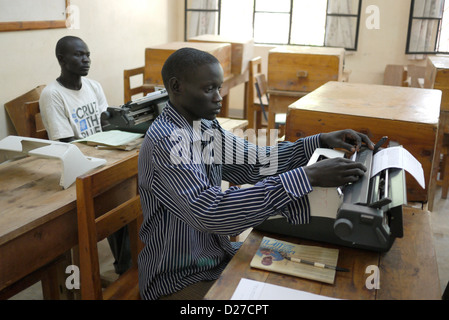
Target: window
(201,17)
(332,23)
(428,30)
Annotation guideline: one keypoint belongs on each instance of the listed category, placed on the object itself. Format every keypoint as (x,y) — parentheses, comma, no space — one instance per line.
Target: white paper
(113,138)
(398,157)
(256,290)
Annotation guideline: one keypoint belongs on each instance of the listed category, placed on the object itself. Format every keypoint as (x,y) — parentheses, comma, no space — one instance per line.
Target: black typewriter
(366,214)
(135,116)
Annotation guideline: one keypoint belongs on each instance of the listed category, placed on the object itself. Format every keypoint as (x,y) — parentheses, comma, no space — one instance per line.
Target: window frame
(409,32)
(290,13)
(186,10)
(357,16)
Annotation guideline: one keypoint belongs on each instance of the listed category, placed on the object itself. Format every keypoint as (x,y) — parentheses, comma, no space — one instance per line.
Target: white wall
(376,47)
(117,33)
(383,46)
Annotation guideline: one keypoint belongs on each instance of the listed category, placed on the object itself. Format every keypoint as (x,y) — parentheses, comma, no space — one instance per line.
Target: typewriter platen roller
(366,214)
(135,116)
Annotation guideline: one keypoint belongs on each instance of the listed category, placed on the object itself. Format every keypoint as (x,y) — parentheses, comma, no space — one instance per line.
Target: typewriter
(135,116)
(366,214)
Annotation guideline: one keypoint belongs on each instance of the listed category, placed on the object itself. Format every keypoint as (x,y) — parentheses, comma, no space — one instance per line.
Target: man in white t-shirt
(71,107)
(72,104)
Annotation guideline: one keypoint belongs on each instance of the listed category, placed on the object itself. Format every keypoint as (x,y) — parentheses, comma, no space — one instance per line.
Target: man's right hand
(334,172)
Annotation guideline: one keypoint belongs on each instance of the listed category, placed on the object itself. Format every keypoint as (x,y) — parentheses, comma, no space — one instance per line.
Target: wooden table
(407,271)
(38,223)
(232,124)
(408,116)
(279,103)
(437,77)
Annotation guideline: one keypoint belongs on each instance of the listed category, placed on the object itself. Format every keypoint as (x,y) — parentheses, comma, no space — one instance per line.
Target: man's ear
(175,85)
(60,58)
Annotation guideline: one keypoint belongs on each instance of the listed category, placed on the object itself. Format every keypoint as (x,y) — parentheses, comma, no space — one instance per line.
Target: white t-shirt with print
(72,113)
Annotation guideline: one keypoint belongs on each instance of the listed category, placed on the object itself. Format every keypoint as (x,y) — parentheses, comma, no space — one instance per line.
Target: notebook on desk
(282,257)
(115,139)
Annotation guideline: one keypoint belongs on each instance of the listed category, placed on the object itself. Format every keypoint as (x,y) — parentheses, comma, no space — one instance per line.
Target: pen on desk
(380,143)
(311,263)
(315,264)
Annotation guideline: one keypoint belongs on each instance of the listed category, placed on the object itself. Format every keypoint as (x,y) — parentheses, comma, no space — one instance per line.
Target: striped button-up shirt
(188,218)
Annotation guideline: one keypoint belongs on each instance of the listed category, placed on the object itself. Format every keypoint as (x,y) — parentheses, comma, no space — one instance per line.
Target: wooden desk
(294,71)
(279,102)
(437,77)
(156,56)
(232,124)
(408,271)
(408,116)
(38,222)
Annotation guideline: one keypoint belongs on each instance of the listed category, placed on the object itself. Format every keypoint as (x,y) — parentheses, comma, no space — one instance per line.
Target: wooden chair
(443,180)
(108,200)
(416,76)
(395,75)
(130,92)
(25,114)
(264,101)
(255,67)
(258,100)
(34,119)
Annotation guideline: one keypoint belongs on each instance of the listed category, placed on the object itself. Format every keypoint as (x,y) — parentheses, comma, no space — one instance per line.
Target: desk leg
(52,277)
(53,281)
(443,124)
(271,138)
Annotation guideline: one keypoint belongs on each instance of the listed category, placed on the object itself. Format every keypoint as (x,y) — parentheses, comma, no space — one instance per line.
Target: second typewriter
(135,116)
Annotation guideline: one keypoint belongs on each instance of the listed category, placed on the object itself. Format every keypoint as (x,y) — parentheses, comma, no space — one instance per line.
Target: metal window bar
(274,12)
(409,32)
(186,10)
(357,16)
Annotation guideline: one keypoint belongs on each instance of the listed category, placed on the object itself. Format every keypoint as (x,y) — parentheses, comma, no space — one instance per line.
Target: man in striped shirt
(185,156)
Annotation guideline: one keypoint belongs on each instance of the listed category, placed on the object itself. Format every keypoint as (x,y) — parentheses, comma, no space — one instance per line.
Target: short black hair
(62,43)
(184,61)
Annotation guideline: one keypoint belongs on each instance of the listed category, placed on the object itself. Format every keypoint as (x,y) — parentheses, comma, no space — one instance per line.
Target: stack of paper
(256,290)
(114,139)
